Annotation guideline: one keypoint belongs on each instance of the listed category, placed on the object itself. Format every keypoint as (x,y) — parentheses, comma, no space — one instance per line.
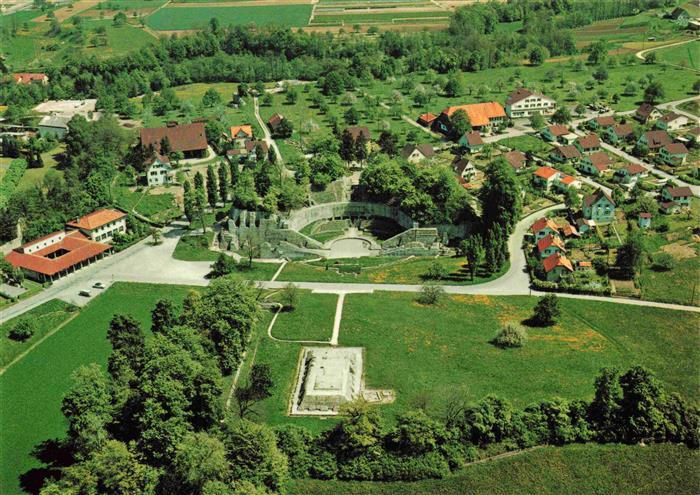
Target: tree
(501,197)
(119,19)
(696,87)
(436,271)
(351,116)
(547,310)
(212,187)
(291,95)
(511,335)
(199,458)
(416,433)
(22,330)
(224,184)
(163,316)
(654,92)
(572,199)
(156,236)
(629,256)
(459,124)
(537,121)
(127,338)
(454,86)
(223,265)
(347,149)
(284,129)
(561,116)
(650,58)
(597,52)
(473,250)
(388,143)
(211,98)
(188,201)
(663,262)
(642,403)
(601,74)
(259,387)
(537,55)
(430,294)
(289,296)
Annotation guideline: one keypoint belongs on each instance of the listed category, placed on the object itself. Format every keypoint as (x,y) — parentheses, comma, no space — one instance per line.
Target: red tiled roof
(548,241)
(250,146)
(657,139)
(542,223)
(546,172)
(569,230)
(645,110)
(246,129)
(558,129)
(600,160)
(605,120)
(695,131)
(425,149)
(78,248)
(645,215)
(589,141)
(669,117)
(275,120)
(555,260)
(186,137)
(567,180)
(97,219)
(635,169)
(516,158)
(569,151)
(474,138)
(28,77)
(480,114)
(427,118)
(679,192)
(623,130)
(676,149)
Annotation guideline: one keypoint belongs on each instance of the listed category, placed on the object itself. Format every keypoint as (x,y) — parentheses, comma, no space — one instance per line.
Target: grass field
(158,207)
(312,319)
(383,270)
(46,317)
(526,144)
(180,18)
(687,55)
(581,469)
(32,389)
(351,18)
(195,248)
(34,176)
(430,354)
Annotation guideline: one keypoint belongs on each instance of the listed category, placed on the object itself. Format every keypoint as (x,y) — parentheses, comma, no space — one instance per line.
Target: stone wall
(353,209)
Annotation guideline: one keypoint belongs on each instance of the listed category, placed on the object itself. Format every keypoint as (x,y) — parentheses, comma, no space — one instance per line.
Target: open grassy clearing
(32,389)
(351,18)
(312,319)
(182,18)
(431,354)
(383,270)
(158,207)
(195,248)
(34,176)
(46,317)
(582,469)
(687,55)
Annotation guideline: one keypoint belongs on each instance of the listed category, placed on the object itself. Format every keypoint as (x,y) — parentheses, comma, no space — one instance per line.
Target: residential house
(158,171)
(416,153)
(603,122)
(595,163)
(240,134)
(693,134)
(543,227)
(50,257)
(555,132)
(516,159)
(54,125)
(619,133)
(472,142)
(644,220)
(570,231)
(274,121)
(549,245)
(525,103)
(427,119)
(464,168)
(564,154)
(598,207)
(654,140)
(672,122)
(679,16)
(679,195)
(188,139)
(588,144)
(646,112)
(674,154)
(359,130)
(565,182)
(545,177)
(100,225)
(481,116)
(630,174)
(556,267)
(669,207)
(30,78)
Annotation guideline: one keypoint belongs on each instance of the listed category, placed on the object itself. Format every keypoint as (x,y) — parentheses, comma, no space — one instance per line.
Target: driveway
(268,137)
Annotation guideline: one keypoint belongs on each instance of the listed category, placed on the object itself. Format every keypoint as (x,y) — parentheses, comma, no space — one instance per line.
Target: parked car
(99,285)
(85,293)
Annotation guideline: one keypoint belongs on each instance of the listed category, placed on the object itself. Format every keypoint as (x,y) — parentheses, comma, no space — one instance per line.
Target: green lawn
(160,208)
(35,176)
(195,248)
(382,270)
(352,18)
(32,288)
(32,390)
(526,144)
(312,319)
(46,317)
(581,469)
(431,354)
(684,55)
(178,18)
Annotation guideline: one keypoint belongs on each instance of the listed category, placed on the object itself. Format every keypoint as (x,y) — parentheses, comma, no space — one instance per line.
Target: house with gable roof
(524,103)
(599,207)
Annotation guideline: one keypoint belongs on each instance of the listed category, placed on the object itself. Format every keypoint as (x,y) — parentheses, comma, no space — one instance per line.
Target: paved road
(673,105)
(641,53)
(268,137)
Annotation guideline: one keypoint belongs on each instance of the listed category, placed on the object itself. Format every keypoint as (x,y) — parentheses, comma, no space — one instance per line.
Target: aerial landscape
(362,247)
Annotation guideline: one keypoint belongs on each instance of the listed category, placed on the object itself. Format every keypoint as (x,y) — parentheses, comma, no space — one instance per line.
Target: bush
(511,335)
(289,297)
(435,271)
(223,265)
(23,330)
(663,262)
(547,310)
(430,294)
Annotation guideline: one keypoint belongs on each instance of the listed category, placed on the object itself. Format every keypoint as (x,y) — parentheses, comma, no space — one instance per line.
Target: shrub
(663,262)
(511,335)
(547,310)
(435,271)
(289,297)
(23,330)
(223,265)
(430,294)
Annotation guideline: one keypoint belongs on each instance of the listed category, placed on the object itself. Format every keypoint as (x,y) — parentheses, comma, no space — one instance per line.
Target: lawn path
(338,317)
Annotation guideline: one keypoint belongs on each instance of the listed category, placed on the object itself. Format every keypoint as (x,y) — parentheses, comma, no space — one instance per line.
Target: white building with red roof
(100,225)
(557,266)
(524,103)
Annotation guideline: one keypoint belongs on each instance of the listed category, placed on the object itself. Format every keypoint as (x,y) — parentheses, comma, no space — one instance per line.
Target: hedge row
(11,179)
(572,289)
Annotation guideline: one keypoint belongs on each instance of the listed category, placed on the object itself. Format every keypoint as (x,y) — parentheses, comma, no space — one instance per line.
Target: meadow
(183,18)
(33,388)
(429,355)
(582,469)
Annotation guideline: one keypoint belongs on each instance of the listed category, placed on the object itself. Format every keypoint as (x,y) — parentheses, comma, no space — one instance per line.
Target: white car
(98,285)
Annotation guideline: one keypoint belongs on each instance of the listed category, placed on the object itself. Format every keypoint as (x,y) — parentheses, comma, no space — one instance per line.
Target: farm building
(480,115)
(188,139)
(525,103)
